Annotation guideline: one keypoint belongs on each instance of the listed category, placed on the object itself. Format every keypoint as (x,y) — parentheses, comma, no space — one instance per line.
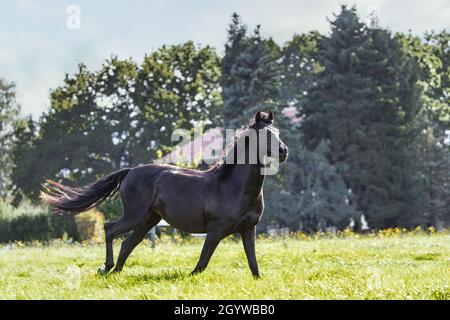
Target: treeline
(370,136)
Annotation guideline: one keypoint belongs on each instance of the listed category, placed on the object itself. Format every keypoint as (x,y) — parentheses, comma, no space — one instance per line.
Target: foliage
(324,198)
(9,111)
(121,115)
(367,103)
(90,226)
(22,183)
(308,194)
(250,74)
(378,102)
(111,209)
(432,53)
(31,223)
(298,62)
(38,227)
(8,212)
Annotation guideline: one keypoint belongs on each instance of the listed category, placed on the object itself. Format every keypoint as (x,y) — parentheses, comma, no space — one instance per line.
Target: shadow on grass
(170,275)
(427,256)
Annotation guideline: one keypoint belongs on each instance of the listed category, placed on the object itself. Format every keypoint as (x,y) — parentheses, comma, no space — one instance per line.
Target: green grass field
(401,266)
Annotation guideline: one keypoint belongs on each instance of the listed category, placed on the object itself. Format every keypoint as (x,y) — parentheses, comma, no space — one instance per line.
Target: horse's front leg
(248,239)
(212,240)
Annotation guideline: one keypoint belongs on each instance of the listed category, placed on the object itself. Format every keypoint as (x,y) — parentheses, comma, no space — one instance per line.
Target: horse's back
(177,194)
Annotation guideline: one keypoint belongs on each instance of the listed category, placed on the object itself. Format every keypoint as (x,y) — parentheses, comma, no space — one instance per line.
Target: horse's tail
(69,200)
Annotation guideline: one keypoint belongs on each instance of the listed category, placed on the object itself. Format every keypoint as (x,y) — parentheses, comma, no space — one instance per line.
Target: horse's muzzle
(283,152)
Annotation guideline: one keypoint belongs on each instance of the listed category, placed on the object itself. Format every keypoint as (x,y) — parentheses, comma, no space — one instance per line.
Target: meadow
(387,265)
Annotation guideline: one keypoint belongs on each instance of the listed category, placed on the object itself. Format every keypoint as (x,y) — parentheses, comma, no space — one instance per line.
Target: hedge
(39,227)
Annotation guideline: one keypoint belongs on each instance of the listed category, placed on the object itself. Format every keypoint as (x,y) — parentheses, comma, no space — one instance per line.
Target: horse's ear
(271,117)
(258,116)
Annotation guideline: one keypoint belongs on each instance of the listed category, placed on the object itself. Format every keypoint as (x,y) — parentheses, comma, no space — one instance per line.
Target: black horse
(225,199)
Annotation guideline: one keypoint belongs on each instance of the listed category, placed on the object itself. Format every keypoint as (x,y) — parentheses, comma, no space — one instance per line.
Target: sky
(40,40)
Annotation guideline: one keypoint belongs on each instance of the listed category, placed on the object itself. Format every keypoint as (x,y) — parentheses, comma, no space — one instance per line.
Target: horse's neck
(246,178)
(249,178)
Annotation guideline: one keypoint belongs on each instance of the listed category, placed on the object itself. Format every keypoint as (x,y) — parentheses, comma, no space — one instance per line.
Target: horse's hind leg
(134,239)
(135,212)
(112,230)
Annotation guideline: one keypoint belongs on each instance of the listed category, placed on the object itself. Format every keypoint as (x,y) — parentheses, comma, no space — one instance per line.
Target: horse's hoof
(256,276)
(103,270)
(115,271)
(195,272)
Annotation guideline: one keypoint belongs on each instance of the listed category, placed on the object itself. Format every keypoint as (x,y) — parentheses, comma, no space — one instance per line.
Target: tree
(309,194)
(250,74)
(324,199)
(176,87)
(25,135)
(9,112)
(67,143)
(282,191)
(298,64)
(440,44)
(432,53)
(367,103)
(121,115)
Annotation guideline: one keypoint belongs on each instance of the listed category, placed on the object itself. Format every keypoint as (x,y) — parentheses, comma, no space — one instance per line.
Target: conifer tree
(308,194)
(366,102)
(324,199)
(250,74)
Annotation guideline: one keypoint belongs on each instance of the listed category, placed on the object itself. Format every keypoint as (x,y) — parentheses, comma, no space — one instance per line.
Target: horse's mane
(222,169)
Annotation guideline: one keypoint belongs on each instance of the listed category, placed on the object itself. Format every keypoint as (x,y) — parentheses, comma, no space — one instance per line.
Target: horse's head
(261,140)
(269,136)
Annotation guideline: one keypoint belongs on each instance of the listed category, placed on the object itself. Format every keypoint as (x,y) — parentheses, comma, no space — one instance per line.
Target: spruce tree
(308,194)
(250,74)
(366,102)
(324,199)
